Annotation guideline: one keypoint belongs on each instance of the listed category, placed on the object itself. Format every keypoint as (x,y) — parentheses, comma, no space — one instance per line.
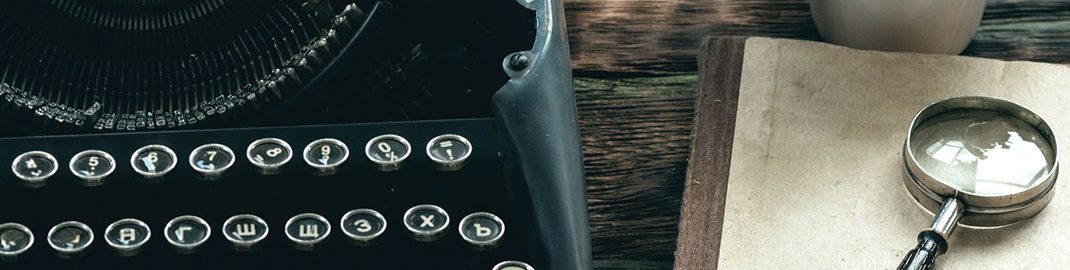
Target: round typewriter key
(513,265)
(127,236)
(482,230)
(34,167)
(187,233)
(153,161)
(326,154)
(14,239)
(269,154)
(211,160)
(363,225)
(388,151)
(426,222)
(245,231)
(306,230)
(449,151)
(70,237)
(92,166)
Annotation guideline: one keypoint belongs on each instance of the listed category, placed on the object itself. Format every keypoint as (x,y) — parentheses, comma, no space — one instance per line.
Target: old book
(796,160)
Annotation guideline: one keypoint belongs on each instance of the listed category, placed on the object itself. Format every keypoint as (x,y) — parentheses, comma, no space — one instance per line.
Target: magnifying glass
(977,161)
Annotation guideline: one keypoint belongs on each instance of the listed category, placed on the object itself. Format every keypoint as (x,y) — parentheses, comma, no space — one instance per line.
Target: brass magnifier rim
(981,210)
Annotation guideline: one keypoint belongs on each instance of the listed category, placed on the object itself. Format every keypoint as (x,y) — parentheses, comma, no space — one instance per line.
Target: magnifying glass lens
(982,152)
(979,161)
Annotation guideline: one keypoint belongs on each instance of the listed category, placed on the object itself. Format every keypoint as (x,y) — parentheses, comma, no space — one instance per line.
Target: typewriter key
(307,230)
(34,167)
(482,230)
(363,225)
(978,161)
(14,239)
(513,265)
(325,155)
(211,160)
(269,154)
(127,236)
(153,161)
(388,151)
(245,231)
(92,166)
(449,151)
(186,233)
(70,238)
(426,222)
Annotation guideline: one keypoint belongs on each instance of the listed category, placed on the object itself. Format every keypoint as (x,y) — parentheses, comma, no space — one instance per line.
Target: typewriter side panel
(536,112)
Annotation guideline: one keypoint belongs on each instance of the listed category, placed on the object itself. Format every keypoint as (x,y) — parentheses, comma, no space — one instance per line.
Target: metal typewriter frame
(536,112)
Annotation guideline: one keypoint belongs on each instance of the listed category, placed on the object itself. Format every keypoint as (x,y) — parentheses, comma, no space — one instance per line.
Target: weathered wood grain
(662,36)
(635,138)
(702,214)
(1024,30)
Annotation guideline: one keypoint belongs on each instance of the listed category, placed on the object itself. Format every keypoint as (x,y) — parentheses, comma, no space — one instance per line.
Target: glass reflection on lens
(982,152)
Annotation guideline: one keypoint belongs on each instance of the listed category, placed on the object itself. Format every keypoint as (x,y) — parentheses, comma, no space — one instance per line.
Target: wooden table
(634,63)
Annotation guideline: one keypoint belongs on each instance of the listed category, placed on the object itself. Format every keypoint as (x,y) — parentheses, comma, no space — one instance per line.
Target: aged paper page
(816,174)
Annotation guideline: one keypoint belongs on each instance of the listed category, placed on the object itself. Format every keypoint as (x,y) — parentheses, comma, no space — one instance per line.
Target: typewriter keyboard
(413,195)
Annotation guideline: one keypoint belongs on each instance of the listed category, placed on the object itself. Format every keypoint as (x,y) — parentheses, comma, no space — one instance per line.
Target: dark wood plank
(635,138)
(1031,30)
(618,264)
(702,216)
(662,36)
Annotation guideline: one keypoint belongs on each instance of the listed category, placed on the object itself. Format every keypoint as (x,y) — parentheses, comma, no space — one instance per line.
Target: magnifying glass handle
(923,257)
(932,242)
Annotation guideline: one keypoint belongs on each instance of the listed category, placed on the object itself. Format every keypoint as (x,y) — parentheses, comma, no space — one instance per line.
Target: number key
(388,151)
(269,154)
(92,166)
(153,161)
(34,167)
(325,155)
(211,160)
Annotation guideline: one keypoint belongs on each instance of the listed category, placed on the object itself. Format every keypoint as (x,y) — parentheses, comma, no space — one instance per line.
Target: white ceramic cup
(924,26)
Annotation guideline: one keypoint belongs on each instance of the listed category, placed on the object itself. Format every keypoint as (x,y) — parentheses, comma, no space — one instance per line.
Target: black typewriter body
(289,134)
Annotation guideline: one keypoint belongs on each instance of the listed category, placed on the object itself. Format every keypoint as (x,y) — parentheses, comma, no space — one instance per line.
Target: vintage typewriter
(289,134)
